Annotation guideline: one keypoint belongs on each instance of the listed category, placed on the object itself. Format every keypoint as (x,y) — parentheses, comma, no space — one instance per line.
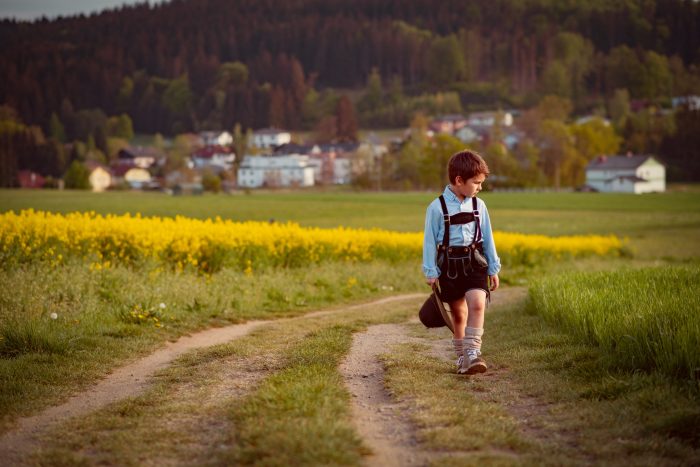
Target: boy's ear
(459,180)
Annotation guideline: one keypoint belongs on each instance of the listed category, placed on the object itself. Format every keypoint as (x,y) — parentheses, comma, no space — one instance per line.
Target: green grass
(645,319)
(272,397)
(299,416)
(652,222)
(548,399)
(43,360)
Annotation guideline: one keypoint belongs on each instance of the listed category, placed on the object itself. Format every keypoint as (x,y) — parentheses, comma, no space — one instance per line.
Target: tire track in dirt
(379,419)
(133,379)
(383,422)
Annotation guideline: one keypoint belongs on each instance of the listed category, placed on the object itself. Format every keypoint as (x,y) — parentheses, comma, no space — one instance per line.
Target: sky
(33,9)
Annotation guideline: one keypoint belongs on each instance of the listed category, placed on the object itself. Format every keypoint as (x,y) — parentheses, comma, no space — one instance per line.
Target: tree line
(196,64)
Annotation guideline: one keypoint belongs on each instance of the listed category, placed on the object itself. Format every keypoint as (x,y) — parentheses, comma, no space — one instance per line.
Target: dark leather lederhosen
(452,259)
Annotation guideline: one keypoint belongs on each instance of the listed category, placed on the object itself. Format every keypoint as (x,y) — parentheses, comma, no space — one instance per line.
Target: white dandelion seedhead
(162,306)
(54,315)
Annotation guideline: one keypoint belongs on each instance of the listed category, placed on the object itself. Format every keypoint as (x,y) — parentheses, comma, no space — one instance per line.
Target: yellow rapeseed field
(209,245)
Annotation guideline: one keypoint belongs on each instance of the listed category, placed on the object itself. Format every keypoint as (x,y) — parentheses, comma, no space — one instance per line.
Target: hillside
(194,63)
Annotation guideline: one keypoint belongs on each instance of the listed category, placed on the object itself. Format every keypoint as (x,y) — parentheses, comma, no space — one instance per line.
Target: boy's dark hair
(466,164)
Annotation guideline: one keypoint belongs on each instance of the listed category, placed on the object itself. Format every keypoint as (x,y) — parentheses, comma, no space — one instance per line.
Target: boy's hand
(494,282)
(431,280)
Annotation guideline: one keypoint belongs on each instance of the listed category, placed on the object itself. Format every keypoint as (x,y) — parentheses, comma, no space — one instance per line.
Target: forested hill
(194,63)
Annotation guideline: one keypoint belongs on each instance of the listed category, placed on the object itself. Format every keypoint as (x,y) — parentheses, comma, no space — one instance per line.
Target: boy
(462,275)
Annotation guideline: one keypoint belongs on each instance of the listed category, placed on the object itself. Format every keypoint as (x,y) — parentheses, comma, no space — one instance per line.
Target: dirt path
(378,418)
(133,379)
(381,421)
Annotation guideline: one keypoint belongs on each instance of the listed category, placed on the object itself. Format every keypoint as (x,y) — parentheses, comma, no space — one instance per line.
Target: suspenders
(458,219)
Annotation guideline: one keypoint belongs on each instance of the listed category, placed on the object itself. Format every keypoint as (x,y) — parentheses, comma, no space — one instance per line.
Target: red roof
(28,179)
(210,151)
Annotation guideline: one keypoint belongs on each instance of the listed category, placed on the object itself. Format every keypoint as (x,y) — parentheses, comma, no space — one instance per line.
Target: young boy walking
(459,255)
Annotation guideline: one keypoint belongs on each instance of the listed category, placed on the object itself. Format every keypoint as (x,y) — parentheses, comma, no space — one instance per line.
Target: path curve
(134,378)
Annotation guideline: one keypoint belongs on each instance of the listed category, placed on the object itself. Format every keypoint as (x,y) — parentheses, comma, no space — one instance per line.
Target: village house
(139,156)
(488,119)
(29,179)
(217,158)
(331,162)
(100,177)
(134,177)
(291,170)
(216,138)
(268,138)
(448,123)
(690,102)
(626,174)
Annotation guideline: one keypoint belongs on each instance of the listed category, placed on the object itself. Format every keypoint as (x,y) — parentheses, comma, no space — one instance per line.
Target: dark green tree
(77,177)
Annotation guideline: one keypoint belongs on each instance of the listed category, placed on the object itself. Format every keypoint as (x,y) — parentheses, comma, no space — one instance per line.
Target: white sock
(472,342)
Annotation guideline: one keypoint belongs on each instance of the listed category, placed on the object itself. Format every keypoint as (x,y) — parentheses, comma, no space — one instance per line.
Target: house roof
(631,178)
(617,162)
(292,148)
(210,151)
(139,151)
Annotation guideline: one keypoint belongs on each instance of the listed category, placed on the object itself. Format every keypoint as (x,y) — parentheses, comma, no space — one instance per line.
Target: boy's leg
(459,318)
(473,363)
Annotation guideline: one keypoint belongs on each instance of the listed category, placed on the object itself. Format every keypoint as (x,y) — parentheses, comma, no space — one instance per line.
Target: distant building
(276,171)
(134,177)
(217,158)
(29,179)
(448,123)
(267,138)
(626,174)
(467,135)
(216,138)
(488,119)
(139,156)
(100,177)
(691,102)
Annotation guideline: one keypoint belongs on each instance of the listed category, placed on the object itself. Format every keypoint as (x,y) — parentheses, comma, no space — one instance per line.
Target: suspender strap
(460,218)
(477,222)
(446,219)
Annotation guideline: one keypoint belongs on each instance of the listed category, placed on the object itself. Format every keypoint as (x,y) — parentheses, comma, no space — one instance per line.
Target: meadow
(82,293)
(652,223)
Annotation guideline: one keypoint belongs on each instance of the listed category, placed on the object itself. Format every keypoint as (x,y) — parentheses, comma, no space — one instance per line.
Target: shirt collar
(449,194)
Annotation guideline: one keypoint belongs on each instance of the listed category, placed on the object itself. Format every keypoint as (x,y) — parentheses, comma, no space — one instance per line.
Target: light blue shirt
(460,235)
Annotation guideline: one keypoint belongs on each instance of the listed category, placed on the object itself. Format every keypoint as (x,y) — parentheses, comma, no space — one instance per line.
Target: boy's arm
(433,218)
(489,245)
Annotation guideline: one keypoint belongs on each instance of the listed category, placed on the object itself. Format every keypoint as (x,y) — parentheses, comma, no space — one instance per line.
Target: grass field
(63,328)
(644,319)
(655,224)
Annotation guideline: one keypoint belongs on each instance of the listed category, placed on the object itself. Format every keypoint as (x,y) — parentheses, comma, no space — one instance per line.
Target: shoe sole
(473,369)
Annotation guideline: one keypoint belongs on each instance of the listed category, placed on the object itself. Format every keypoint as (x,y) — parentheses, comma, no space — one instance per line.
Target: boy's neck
(456,193)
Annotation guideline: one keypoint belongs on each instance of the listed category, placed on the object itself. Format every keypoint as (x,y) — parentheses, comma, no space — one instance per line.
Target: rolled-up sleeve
(489,245)
(433,218)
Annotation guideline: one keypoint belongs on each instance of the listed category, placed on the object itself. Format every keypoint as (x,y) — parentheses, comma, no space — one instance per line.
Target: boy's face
(470,187)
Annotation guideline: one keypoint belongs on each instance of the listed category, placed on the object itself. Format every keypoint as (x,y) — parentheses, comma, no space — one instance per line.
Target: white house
(342,170)
(487,119)
(100,178)
(271,138)
(216,138)
(467,135)
(217,158)
(691,102)
(626,174)
(276,171)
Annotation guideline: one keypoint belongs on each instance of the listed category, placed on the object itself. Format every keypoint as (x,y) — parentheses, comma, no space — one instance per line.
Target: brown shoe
(476,365)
